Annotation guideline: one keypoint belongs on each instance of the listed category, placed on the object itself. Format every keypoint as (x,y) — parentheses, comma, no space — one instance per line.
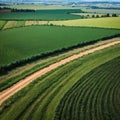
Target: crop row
(92,97)
(40,99)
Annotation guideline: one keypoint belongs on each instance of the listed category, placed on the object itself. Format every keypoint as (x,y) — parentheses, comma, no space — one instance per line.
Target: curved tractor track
(4,95)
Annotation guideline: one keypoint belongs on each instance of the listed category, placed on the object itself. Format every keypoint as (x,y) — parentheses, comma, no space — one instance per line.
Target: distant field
(103,11)
(11,24)
(39,7)
(21,43)
(61,14)
(110,22)
(2,23)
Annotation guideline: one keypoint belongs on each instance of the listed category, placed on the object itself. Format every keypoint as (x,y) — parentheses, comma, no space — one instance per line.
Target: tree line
(7,68)
(17,10)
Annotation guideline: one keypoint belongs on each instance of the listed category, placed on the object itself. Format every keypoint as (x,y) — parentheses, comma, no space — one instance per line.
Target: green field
(110,22)
(60,14)
(21,43)
(13,24)
(95,96)
(40,99)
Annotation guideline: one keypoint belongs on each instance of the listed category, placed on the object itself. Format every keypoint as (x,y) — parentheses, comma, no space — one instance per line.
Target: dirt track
(4,95)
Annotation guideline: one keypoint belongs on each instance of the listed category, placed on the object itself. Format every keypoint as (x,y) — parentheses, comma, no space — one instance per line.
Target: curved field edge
(41,97)
(94,96)
(112,22)
(21,52)
(6,82)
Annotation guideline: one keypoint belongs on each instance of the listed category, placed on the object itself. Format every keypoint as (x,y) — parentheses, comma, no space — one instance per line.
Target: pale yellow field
(110,22)
(10,24)
(27,23)
(30,23)
(39,7)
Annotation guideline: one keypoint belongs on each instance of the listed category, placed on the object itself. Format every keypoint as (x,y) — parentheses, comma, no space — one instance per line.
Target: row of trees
(17,10)
(106,15)
(23,10)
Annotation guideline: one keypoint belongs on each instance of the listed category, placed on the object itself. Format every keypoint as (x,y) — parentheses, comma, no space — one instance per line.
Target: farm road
(5,94)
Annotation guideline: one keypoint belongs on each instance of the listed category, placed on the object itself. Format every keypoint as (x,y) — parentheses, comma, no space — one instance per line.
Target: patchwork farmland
(110,22)
(57,64)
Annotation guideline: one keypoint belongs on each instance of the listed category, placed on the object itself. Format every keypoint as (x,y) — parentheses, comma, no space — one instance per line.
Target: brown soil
(4,95)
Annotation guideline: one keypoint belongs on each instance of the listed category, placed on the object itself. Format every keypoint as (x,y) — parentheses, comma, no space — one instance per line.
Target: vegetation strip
(97,102)
(18,86)
(20,73)
(16,51)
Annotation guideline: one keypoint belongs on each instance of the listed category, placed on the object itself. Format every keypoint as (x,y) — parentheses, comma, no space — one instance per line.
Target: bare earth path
(4,95)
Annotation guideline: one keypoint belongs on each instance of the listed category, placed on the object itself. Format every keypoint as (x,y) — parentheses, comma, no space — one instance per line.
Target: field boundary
(49,23)
(22,72)
(7,68)
(24,82)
